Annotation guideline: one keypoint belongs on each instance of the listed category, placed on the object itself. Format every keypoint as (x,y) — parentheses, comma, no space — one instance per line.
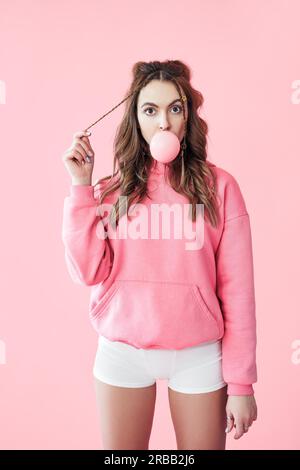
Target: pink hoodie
(168,292)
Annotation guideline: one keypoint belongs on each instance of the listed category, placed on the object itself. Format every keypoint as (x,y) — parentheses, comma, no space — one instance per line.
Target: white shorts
(196,369)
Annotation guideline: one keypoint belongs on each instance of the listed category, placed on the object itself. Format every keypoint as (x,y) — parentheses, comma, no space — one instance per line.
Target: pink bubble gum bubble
(164,146)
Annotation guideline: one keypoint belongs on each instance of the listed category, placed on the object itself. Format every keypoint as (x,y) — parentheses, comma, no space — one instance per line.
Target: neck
(158,167)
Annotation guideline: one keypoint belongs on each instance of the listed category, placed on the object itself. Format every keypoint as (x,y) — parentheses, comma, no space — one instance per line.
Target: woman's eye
(179,107)
(176,106)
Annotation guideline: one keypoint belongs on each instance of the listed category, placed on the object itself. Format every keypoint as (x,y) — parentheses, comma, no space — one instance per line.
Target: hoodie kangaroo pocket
(156,314)
(201,301)
(104,301)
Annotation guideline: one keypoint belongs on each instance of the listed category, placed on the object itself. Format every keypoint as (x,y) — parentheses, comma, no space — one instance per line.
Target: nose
(163,123)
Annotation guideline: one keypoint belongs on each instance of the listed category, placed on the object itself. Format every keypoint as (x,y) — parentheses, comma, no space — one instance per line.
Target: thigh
(125,415)
(199,419)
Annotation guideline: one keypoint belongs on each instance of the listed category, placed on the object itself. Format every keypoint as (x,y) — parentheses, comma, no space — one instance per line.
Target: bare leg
(199,419)
(126,415)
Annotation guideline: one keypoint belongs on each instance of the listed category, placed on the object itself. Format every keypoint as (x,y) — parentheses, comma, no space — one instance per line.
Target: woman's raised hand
(79,159)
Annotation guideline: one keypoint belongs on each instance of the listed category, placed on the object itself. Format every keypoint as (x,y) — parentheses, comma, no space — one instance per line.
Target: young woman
(164,307)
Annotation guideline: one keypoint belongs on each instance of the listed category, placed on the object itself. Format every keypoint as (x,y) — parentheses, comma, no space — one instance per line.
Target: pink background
(63,65)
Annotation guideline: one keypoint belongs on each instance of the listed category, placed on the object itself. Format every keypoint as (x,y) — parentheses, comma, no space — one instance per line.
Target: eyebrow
(155,105)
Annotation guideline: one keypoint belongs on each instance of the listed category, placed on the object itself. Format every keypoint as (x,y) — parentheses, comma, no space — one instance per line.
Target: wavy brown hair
(189,173)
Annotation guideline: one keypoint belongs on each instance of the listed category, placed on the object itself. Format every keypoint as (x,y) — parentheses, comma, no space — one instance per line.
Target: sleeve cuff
(240,389)
(82,192)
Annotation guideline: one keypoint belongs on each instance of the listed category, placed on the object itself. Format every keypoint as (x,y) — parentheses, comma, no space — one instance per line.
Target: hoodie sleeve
(235,290)
(88,254)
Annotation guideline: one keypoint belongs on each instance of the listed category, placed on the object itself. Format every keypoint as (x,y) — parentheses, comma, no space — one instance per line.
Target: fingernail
(226,430)
(88,159)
